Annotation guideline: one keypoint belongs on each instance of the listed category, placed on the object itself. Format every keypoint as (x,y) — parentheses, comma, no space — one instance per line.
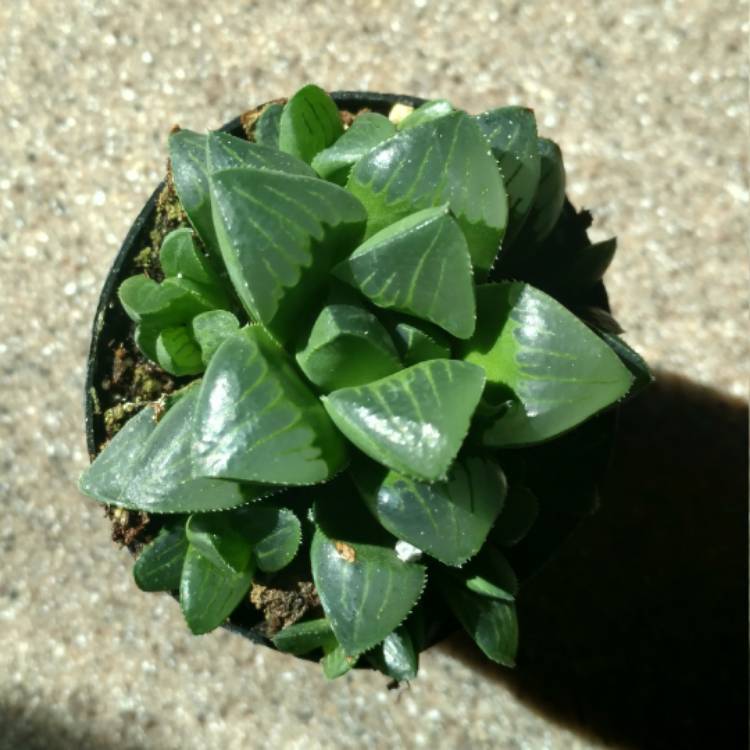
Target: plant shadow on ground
(638,632)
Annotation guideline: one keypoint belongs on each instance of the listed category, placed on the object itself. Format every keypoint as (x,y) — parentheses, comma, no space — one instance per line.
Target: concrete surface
(649,102)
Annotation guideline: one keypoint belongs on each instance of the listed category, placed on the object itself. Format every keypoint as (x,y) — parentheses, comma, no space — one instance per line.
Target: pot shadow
(637,633)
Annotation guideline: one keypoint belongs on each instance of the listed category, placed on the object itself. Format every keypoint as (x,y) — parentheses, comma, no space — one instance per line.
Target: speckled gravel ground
(649,101)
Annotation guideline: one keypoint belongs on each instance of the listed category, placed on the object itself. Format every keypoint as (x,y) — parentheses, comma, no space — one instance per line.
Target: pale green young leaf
(210,329)
(218,539)
(430,110)
(335,661)
(490,574)
(309,123)
(177,351)
(419,265)
(413,421)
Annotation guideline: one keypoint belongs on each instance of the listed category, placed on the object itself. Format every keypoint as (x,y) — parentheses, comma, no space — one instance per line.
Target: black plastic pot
(111,324)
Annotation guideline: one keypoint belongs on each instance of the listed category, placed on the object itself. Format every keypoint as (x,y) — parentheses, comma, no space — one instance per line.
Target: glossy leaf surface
(309,123)
(219,540)
(225,151)
(431,110)
(303,637)
(159,565)
(418,343)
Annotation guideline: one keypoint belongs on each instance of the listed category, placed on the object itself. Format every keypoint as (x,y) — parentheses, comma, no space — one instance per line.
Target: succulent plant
(390,345)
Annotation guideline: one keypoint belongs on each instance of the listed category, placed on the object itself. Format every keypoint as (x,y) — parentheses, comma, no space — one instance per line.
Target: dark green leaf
(227,152)
(177,352)
(442,161)
(218,539)
(159,565)
(267,125)
(209,594)
(490,574)
(518,516)
(279,235)
(418,343)
(490,622)
(147,467)
(414,421)
(555,369)
(209,330)
(303,637)
(367,131)
(424,113)
(418,265)
(637,366)
(274,533)
(365,590)
(309,123)
(511,133)
(447,520)
(257,421)
(585,267)
(347,346)
(396,657)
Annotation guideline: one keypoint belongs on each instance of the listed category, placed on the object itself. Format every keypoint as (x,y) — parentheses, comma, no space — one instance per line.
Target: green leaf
(511,133)
(267,125)
(490,574)
(398,657)
(442,161)
(187,156)
(225,151)
(347,346)
(336,663)
(491,623)
(637,366)
(310,122)
(210,329)
(418,265)
(365,590)
(166,304)
(275,534)
(418,343)
(208,593)
(550,195)
(177,352)
(217,538)
(426,112)
(414,421)
(518,516)
(367,131)
(257,421)
(147,467)
(555,369)
(303,637)
(279,235)
(180,258)
(159,565)
(448,520)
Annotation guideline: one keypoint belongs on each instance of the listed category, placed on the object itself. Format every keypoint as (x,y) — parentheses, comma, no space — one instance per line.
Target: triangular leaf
(448,520)
(225,151)
(217,538)
(418,265)
(438,162)
(420,342)
(279,235)
(396,657)
(210,329)
(274,533)
(159,564)
(511,133)
(208,593)
(335,662)
(555,369)
(367,131)
(347,346)
(414,421)
(266,130)
(309,123)
(257,421)
(490,574)
(425,112)
(640,371)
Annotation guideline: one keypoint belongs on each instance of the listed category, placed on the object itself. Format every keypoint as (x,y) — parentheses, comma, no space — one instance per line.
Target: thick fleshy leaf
(274,533)
(397,656)
(147,467)
(336,663)
(490,574)
(347,346)
(518,516)
(159,565)
(225,151)
(166,304)
(208,593)
(303,637)
(310,122)
(219,540)
(210,329)
(178,352)
(491,622)
(419,265)
(267,125)
(448,520)
(550,195)
(414,421)
(640,371)
(441,161)
(511,133)
(257,421)
(537,353)
(187,156)
(418,343)
(365,590)
(279,235)
(367,131)
(424,113)
(181,259)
